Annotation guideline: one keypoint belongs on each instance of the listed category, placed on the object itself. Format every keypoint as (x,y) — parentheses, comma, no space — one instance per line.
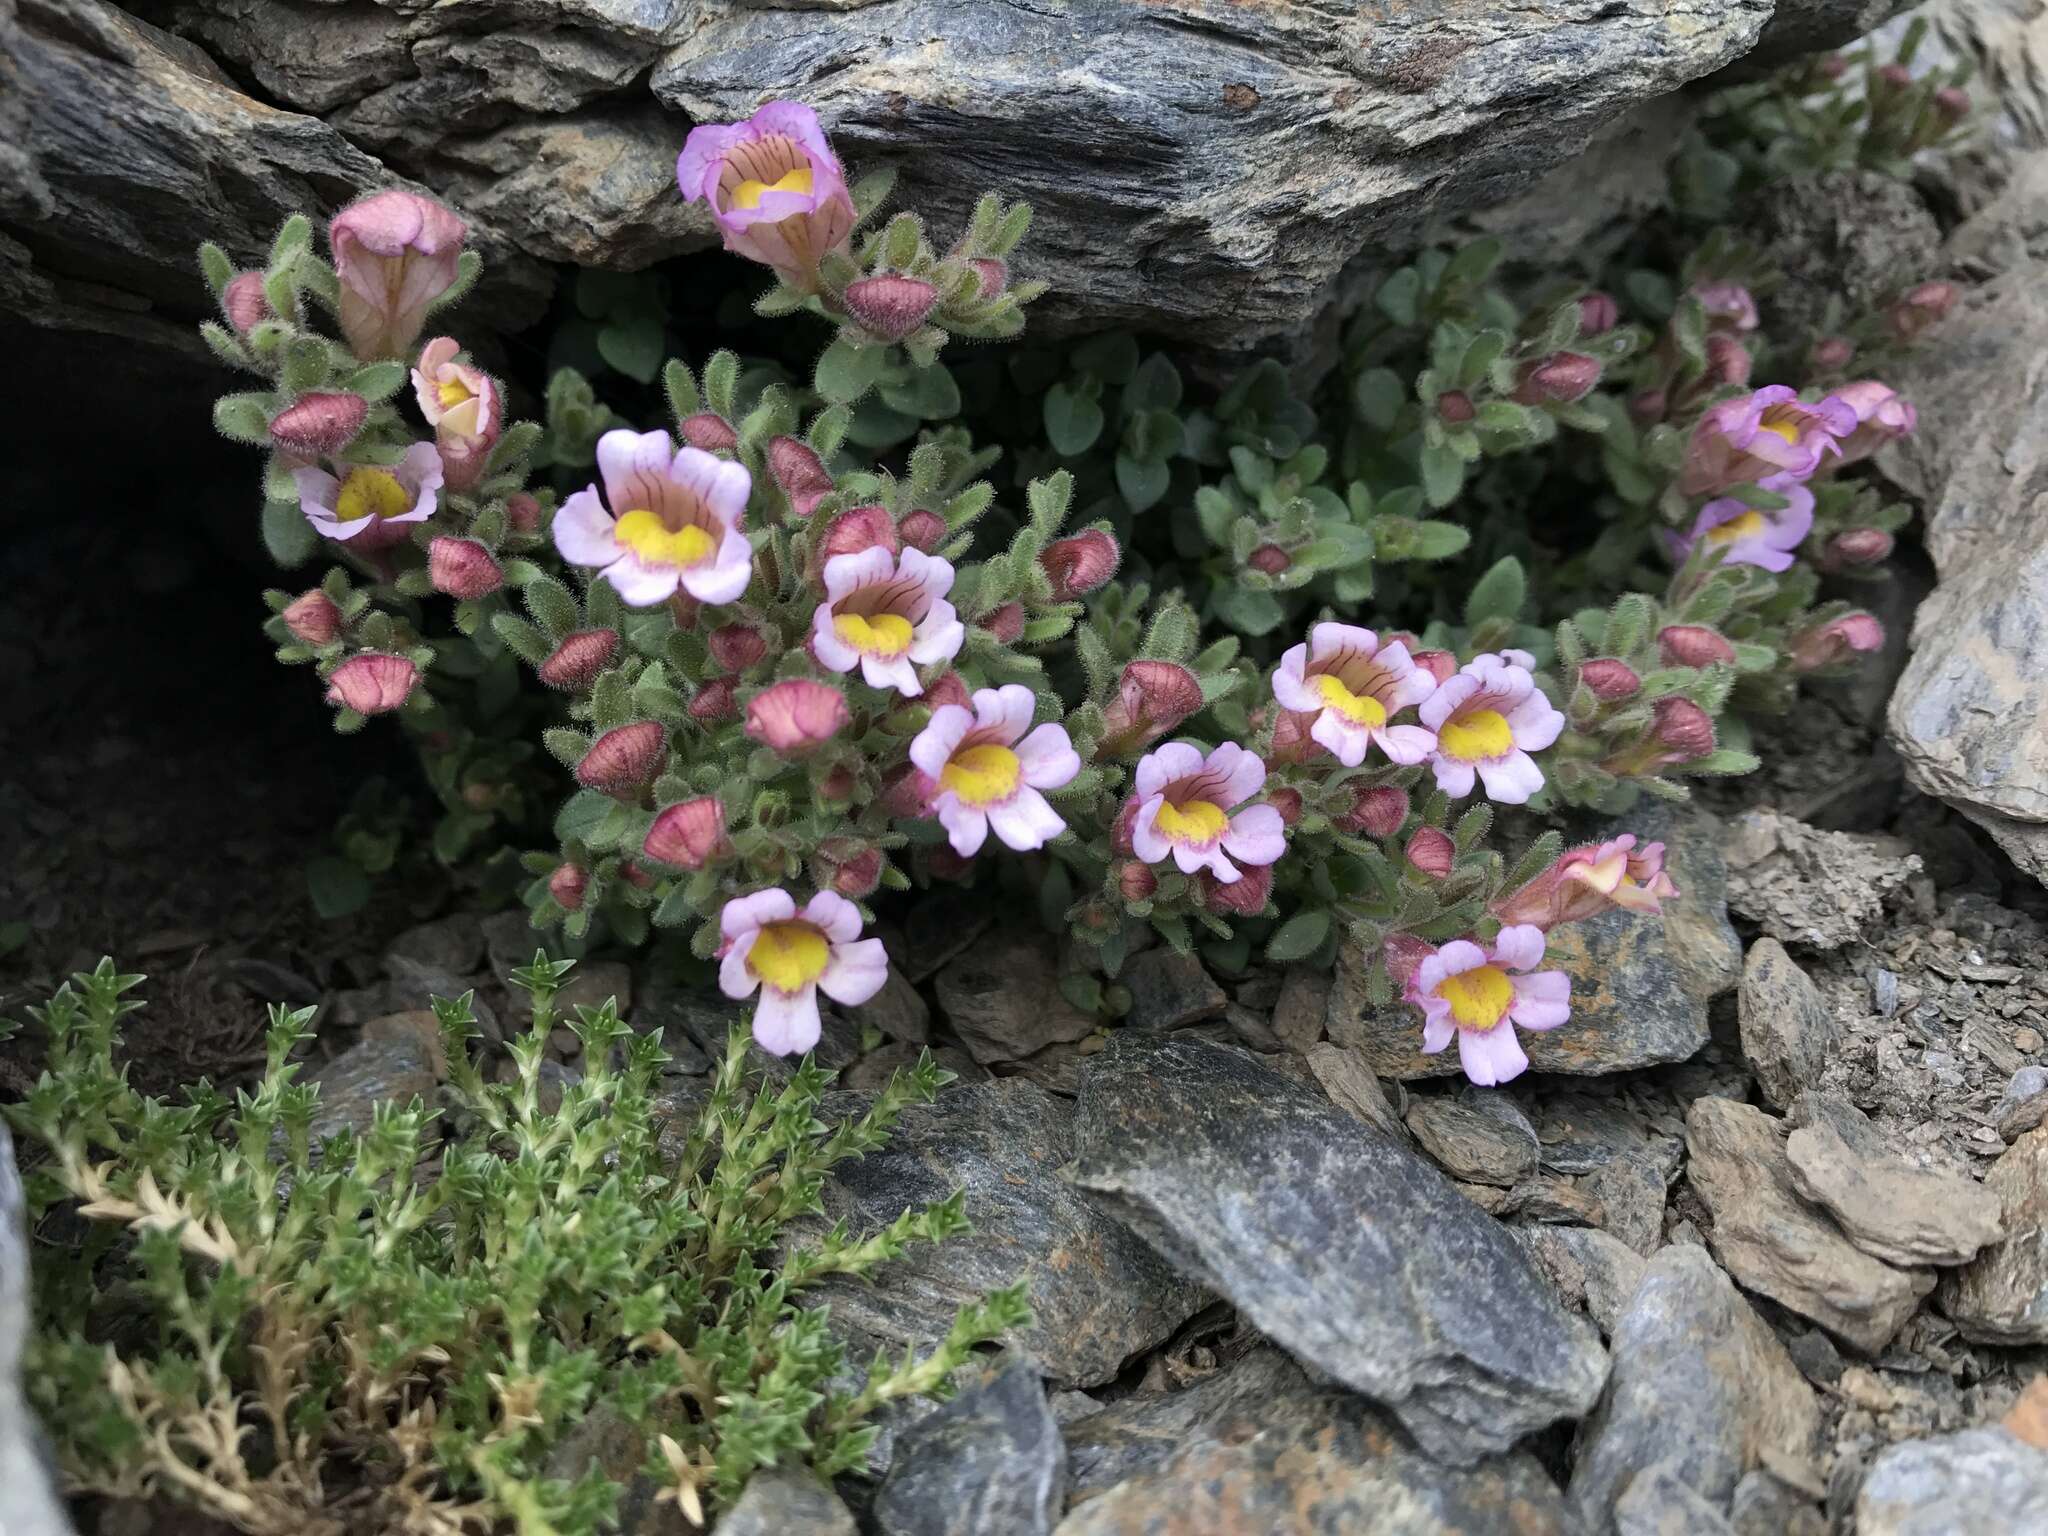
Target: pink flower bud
(1135,881)
(1610,680)
(737,647)
(907,792)
(313,619)
(567,885)
(314,426)
(1683,728)
(1897,76)
(838,784)
(1558,379)
(799,472)
(372,683)
(635,876)
(857,529)
(578,659)
(464,406)
(1693,645)
(1728,360)
(1647,406)
(1287,802)
(395,253)
(891,306)
(1856,546)
(851,868)
(1921,308)
(994,274)
(1269,558)
(1833,352)
(1120,831)
(709,431)
(1243,897)
(1377,813)
(245,303)
(522,512)
(1953,103)
(1006,623)
(462,568)
(949,689)
(1829,644)
(922,530)
(1598,314)
(717,700)
(1729,306)
(623,758)
(796,715)
(689,835)
(1080,564)
(1455,407)
(1152,697)
(1831,66)
(1441,665)
(1432,851)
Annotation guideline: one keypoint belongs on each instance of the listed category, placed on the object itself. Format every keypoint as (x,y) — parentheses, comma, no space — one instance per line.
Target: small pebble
(1884,993)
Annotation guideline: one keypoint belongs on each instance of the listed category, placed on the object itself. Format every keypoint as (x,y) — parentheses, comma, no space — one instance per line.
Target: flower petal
(583,530)
(1493,1056)
(1165,763)
(641,585)
(836,917)
(1244,773)
(1405,744)
(966,827)
(787,1023)
(1047,757)
(1146,841)
(1025,821)
(1519,946)
(1510,780)
(1542,1000)
(1256,835)
(1452,777)
(856,972)
(935,745)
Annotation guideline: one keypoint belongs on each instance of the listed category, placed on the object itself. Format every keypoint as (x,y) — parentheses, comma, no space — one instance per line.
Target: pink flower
(1353,684)
(313,618)
(688,835)
(798,473)
(774,188)
(1609,680)
(1431,851)
(1856,546)
(888,615)
(922,529)
(1882,416)
(889,306)
(463,568)
(1243,897)
(856,529)
(314,426)
(795,714)
(244,302)
(372,683)
(1588,880)
(736,647)
(1005,622)
(1080,564)
(675,521)
(1693,645)
(1745,535)
(1184,809)
(1377,812)
(623,758)
(567,885)
(1766,434)
(790,956)
(395,254)
(710,431)
(1467,989)
(579,658)
(463,407)
(1560,378)
(1488,719)
(1598,313)
(1151,698)
(370,507)
(1826,645)
(989,768)
(1923,307)
(1727,304)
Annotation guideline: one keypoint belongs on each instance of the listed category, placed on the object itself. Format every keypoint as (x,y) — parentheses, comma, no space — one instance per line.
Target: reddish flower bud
(314,426)
(797,714)
(1080,564)
(799,472)
(1006,623)
(1853,546)
(1287,802)
(736,647)
(838,784)
(1120,830)
(1728,360)
(709,431)
(717,700)
(372,683)
(1683,728)
(1432,851)
(462,568)
(245,303)
(1558,379)
(922,530)
(635,876)
(1269,558)
(313,619)
(857,529)
(890,306)
(1833,352)
(1152,697)
(907,792)
(578,659)
(1953,103)
(1455,407)
(689,835)
(1441,665)
(1831,66)
(567,885)
(1647,406)
(1610,680)
(1729,306)
(949,689)
(847,866)
(623,758)
(1693,645)
(1921,308)
(1827,645)
(1243,897)
(1598,313)
(1897,76)
(1135,881)
(522,512)
(1377,813)
(994,274)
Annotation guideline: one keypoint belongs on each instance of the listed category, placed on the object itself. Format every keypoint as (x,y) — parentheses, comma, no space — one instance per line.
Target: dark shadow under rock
(990,1459)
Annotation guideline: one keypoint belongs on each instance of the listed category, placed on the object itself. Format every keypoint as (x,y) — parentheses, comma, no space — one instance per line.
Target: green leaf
(1443,474)
(1141,483)
(1378,396)
(337,887)
(847,372)
(288,537)
(1499,594)
(1073,421)
(1300,936)
(1399,295)
(377,381)
(633,347)
(928,394)
(1249,612)
(680,385)
(1433,540)
(242,418)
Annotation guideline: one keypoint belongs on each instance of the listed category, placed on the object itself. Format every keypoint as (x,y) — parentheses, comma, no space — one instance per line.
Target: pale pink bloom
(1472,991)
(395,253)
(372,683)
(1728,304)
(1588,880)
(774,188)
(988,769)
(1488,718)
(888,615)
(1353,684)
(674,521)
(463,406)
(1882,416)
(371,505)
(793,715)
(1769,433)
(791,956)
(1746,535)
(1185,808)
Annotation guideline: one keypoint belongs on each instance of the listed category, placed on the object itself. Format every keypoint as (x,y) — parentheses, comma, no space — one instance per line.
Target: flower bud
(1441,665)
(623,758)
(245,303)
(1287,802)
(1610,680)
(313,619)
(847,866)
(1455,407)
(1269,558)
(1856,546)
(1006,623)
(1683,728)
(838,785)
(1081,563)
(1598,313)
(1829,644)
(1833,352)
(567,885)
(1921,308)
(717,700)
(1729,306)
(796,715)
(522,512)
(372,683)
(736,647)
(922,530)
(709,431)
(1379,812)
(1952,102)
(1831,66)
(1432,851)
(1897,76)
(799,472)
(1693,645)
(857,529)
(462,568)
(948,689)
(1647,406)
(1243,897)
(1135,880)
(635,876)
(890,306)
(578,659)
(1728,360)
(689,835)
(1558,379)
(314,426)
(993,273)
(907,792)
(394,253)
(1151,698)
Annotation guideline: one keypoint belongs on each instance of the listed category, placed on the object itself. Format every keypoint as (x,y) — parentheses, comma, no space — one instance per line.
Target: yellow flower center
(371,493)
(874,634)
(1199,822)
(1785,429)
(1479,998)
(1359,709)
(789,956)
(981,775)
(1476,737)
(644,533)
(453,392)
(748,194)
(1746,526)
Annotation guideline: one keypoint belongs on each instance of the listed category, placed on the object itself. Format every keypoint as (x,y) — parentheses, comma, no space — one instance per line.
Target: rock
(510,940)
(1098,1294)
(1615,1155)
(1983,1481)
(1299,1012)
(2001,1296)
(607,1440)
(989,1459)
(1659,1503)
(786,1501)
(1853,235)
(1140,1433)
(1640,984)
(29,1505)
(1480,1136)
(454,946)
(1787,1031)
(2024,1104)
(1170,990)
(397,1058)
(1003,997)
(1804,886)
(1248,1027)
(1351,1085)
(1335,1241)
(1773,1243)
(873,1070)
(594,983)
(1588,1267)
(1885,1206)
(1765,1505)
(1700,1387)
(899,1010)
(1547,1199)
